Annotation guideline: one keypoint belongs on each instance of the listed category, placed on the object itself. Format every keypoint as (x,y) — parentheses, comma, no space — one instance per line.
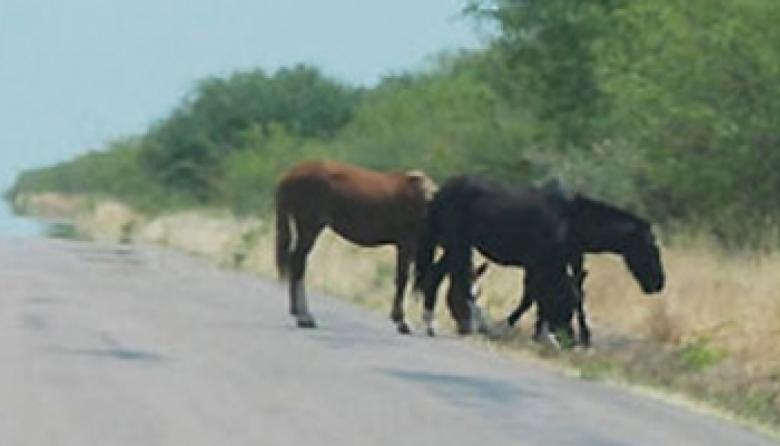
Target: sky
(77,73)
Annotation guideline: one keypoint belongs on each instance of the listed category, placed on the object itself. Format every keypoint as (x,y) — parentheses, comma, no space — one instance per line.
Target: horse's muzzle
(655,287)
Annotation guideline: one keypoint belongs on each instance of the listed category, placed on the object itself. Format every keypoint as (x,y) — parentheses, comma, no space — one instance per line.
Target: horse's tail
(283,236)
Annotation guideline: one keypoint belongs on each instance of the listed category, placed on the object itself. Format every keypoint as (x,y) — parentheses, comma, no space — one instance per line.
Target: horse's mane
(558,189)
(602,209)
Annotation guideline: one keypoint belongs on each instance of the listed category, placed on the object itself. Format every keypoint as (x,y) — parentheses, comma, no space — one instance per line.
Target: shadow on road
(113,350)
(118,353)
(465,391)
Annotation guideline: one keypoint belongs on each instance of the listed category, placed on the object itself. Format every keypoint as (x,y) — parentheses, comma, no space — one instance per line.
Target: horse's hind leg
(298,304)
(460,277)
(404,260)
(582,322)
(431,288)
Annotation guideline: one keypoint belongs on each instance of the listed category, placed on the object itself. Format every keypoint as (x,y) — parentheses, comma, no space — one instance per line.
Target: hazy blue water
(15,226)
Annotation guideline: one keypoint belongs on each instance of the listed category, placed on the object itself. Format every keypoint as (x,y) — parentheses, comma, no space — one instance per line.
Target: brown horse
(366,207)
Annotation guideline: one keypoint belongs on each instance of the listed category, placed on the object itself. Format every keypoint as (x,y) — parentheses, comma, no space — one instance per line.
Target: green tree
(546,63)
(185,151)
(695,86)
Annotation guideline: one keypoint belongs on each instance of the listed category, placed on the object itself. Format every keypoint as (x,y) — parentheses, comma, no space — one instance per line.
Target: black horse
(544,230)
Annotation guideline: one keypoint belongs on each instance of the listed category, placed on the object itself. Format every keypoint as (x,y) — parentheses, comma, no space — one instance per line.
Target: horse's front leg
(403,262)
(559,297)
(504,327)
(525,303)
(577,264)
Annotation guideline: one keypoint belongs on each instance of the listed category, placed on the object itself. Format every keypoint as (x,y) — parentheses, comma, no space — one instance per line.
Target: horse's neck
(598,227)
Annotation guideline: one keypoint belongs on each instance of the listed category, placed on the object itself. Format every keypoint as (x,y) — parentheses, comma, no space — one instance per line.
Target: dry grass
(714,333)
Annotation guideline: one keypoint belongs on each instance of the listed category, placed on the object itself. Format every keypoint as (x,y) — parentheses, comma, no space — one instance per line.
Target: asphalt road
(107,346)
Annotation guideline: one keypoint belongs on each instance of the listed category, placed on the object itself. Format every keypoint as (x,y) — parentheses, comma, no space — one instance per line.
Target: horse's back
(466,194)
(365,206)
(509,224)
(345,181)
(467,190)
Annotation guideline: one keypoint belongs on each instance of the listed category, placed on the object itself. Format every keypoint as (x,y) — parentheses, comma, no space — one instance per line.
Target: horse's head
(643,257)
(605,228)
(459,305)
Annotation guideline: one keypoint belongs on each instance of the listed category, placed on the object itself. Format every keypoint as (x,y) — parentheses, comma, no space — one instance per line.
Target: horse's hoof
(306,323)
(496,334)
(499,331)
(583,351)
(403,328)
(465,331)
(485,329)
(397,317)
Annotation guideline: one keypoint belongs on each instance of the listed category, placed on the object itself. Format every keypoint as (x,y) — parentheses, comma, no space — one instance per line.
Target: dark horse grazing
(541,229)
(366,207)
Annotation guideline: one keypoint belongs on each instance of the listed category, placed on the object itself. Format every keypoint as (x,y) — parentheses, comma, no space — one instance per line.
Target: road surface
(105,346)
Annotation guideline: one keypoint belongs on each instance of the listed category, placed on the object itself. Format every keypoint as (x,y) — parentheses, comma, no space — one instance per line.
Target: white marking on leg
(427,317)
(542,333)
(553,340)
(478,323)
(546,336)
